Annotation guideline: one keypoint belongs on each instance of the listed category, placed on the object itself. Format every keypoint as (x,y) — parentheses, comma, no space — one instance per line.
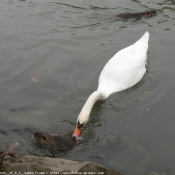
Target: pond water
(64,45)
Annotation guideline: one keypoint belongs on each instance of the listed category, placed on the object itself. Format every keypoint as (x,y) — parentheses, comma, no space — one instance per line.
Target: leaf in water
(35,79)
(146,92)
(12,146)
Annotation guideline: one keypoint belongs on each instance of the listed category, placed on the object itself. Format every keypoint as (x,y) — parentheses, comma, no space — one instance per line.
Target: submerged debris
(35,79)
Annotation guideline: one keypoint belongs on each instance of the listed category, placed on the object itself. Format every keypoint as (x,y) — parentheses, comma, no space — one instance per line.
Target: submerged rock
(127,155)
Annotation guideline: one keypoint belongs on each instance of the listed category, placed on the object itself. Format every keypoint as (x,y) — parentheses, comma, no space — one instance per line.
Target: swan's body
(125,69)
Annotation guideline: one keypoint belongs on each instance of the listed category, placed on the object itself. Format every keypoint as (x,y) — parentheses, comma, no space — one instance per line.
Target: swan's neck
(85,112)
(91,101)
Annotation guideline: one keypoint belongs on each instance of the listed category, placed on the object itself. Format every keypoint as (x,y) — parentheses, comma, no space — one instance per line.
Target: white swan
(123,70)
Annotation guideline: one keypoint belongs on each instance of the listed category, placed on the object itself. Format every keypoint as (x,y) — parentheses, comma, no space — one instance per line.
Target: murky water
(64,46)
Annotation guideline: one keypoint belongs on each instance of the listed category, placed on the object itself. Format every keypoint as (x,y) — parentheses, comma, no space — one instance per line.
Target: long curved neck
(89,104)
(91,101)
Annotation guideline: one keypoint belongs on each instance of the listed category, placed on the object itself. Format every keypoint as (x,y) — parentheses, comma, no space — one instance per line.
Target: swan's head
(81,121)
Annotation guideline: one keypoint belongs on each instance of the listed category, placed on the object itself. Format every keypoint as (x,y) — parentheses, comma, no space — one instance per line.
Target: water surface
(64,45)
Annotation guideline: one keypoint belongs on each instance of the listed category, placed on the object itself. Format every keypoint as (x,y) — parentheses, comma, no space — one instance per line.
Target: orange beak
(77,131)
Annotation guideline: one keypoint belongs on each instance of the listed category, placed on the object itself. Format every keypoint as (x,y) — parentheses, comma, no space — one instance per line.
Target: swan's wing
(124,54)
(120,74)
(119,78)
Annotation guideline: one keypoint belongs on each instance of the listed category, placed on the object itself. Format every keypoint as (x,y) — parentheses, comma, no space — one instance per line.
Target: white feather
(125,69)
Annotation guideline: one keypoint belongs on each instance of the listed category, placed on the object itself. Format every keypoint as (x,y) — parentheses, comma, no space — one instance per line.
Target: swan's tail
(144,39)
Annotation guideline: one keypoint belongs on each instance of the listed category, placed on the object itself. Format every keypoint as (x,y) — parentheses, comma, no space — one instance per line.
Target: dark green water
(65,44)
